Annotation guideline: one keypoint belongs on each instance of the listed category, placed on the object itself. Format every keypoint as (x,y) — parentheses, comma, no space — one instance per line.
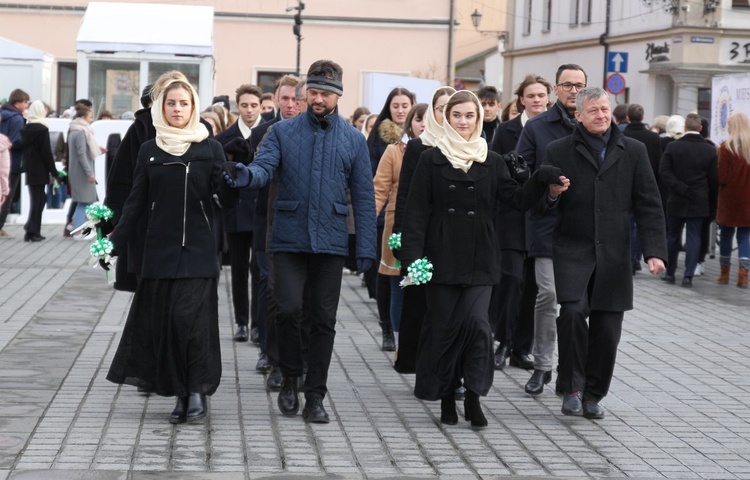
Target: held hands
(656,266)
(235,174)
(556,189)
(364,264)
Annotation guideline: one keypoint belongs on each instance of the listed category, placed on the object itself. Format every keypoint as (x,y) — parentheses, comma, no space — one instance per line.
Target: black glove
(548,175)
(405,267)
(106,226)
(364,264)
(239,150)
(104,265)
(517,167)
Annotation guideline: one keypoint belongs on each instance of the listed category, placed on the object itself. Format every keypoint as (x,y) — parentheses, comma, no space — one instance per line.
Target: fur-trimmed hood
(390,132)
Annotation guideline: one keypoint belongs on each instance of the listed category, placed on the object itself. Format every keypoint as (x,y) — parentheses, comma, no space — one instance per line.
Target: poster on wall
(729,94)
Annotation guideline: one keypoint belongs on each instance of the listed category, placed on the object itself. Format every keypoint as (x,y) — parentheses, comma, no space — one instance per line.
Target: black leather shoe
(254,335)
(535,385)
(524,361)
(572,404)
(273,382)
(263,366)
(668,278)
(473,411)
(196,409)
(389,341)
(687,282)
(448,415)
(288,400)
(501,356)
(241,334)
(180,411)
(33,238)
(314,412)
(592,410)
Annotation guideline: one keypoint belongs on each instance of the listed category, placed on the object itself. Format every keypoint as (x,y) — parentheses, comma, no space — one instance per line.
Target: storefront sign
(657,53)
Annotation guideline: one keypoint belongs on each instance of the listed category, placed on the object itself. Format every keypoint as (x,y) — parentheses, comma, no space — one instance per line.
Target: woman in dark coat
(449,219)
(414,306)
(37,157)
(170,344)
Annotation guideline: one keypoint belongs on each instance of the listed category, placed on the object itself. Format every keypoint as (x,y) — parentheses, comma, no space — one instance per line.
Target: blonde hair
(739,135)
(164,80)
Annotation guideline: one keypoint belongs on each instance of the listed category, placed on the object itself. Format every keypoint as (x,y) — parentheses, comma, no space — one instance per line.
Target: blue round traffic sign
(615,84)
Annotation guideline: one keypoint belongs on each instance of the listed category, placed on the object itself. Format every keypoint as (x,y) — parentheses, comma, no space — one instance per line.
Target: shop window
(266,79)
(66,85)
(114,86)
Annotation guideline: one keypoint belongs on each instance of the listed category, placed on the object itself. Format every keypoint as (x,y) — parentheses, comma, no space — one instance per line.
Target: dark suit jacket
(592,234)
(509,222)
(240,218)
(688,168)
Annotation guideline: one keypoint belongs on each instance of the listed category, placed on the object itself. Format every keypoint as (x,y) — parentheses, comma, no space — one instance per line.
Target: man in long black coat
(610,176)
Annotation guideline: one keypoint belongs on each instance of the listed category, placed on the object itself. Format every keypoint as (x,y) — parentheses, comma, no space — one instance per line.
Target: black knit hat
(146,95)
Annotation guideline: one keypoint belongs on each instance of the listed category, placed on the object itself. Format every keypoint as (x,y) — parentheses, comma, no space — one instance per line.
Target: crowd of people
(517,210)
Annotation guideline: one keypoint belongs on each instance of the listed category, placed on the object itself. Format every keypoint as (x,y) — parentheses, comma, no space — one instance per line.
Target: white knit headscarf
(460,152)
(173,140)
(37,113)
(432,129)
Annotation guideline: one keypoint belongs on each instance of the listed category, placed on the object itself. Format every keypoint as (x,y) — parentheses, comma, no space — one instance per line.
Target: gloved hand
(235,174)
(106,226)
(548,175)
(405,267)
(364,264)
(105,265)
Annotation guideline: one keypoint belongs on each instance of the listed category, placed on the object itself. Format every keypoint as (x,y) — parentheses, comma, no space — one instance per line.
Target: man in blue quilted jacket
(315,158)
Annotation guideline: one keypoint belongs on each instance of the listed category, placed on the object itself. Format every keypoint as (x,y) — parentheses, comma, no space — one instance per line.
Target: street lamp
(297,28)
(476,19)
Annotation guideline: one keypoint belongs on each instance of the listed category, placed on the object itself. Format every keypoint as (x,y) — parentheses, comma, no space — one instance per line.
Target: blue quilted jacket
(315,167)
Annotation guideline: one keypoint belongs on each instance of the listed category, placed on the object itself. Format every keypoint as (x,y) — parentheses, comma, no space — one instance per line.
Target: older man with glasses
(557,122)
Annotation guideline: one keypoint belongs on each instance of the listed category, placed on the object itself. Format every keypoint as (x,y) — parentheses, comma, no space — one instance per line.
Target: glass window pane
(114,86)
(190,70)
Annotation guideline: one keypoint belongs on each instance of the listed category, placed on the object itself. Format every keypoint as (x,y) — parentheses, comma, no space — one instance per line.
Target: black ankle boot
(180,411)
(448,415)
(389,341)
(196,407)
(473,410)
(288,400)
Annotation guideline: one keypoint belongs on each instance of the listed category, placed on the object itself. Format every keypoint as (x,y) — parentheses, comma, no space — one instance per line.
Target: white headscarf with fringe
(432,129)
(173,140)
(462,153)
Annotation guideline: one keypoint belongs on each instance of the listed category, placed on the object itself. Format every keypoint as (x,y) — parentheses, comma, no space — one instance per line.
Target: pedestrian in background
(12,124)
(82,153)
(5,145)
(170,343)
(733,214)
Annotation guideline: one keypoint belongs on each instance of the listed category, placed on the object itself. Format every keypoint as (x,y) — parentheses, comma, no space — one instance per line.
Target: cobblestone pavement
(678,406)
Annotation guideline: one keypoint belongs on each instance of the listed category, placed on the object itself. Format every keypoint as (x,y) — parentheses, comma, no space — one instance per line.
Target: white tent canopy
(18,51)
(147,28)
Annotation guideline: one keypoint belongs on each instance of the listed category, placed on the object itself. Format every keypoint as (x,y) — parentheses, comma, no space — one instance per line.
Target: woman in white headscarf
(449,220)
(82,153)
(170,344)
(40,164)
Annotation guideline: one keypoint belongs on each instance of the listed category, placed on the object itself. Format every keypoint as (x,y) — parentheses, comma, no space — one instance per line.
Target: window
(740,3)
(547,16)
(586,12)
(574,7)
(114,86)
(190,70)
(527,17)
(267,79)
(66,85)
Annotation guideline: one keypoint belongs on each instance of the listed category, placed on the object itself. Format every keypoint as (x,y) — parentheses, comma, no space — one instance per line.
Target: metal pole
(450,43)
(604,40)
(299,47)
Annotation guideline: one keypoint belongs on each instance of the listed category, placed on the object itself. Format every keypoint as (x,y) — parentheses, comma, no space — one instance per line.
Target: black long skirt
(455,343)
(170,343)
(412,316)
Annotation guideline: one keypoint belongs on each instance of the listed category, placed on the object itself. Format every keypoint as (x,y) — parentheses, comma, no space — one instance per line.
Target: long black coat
(449,217)
(414,149)
(37,154)
(241,217)
(653,142)
(511,224)
(174,195)
(592,233)
(688,168)
(260,217)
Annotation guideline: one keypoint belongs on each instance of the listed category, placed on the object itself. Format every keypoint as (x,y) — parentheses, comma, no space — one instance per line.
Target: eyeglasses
(440,109)
(567,86)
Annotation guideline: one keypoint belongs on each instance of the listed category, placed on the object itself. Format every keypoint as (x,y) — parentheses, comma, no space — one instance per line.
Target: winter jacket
(688,168)
(174,195)
(239,218)
(11,125)
(80,168)
(4,165)
(37,154)
(734,187)
(315,166)
(509,222)
(414,149)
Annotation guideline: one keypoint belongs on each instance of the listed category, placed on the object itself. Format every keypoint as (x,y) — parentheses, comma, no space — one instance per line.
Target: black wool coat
(241,217)
(653,142)
(260,216)
(37,154)
(174,195)
(688,168)
(510,223)
(449,217)
(591,240)
(414,149)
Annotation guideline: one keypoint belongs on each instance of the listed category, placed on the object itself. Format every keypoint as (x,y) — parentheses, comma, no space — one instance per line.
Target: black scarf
(567,119)
(597,144)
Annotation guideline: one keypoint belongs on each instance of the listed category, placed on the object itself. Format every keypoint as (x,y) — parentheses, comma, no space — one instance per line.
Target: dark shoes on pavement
(592,410)
(535,385)
(242,334)
(473,410)
(288,400)
(521,360)
(273,382)
(448,415)
(33,237)
(572,404)
(314,412)
(196,407)
(687,282)
(255,335)
(389,341)
(180,411)
(501,356)
(263,366)
(668,278)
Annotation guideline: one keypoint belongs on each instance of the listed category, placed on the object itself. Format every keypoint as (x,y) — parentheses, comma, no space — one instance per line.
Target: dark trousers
(14,181)
(635,244)
(587,351)
(694,227)
(321,274)
(264,266)
(510,328)
(37,200)
(239,253)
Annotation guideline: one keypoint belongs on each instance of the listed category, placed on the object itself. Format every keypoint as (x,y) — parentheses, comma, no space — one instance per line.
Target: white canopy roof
(148,28)
(18,51)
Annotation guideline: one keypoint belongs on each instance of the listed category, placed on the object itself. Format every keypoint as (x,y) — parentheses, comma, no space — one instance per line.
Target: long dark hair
(385,114)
